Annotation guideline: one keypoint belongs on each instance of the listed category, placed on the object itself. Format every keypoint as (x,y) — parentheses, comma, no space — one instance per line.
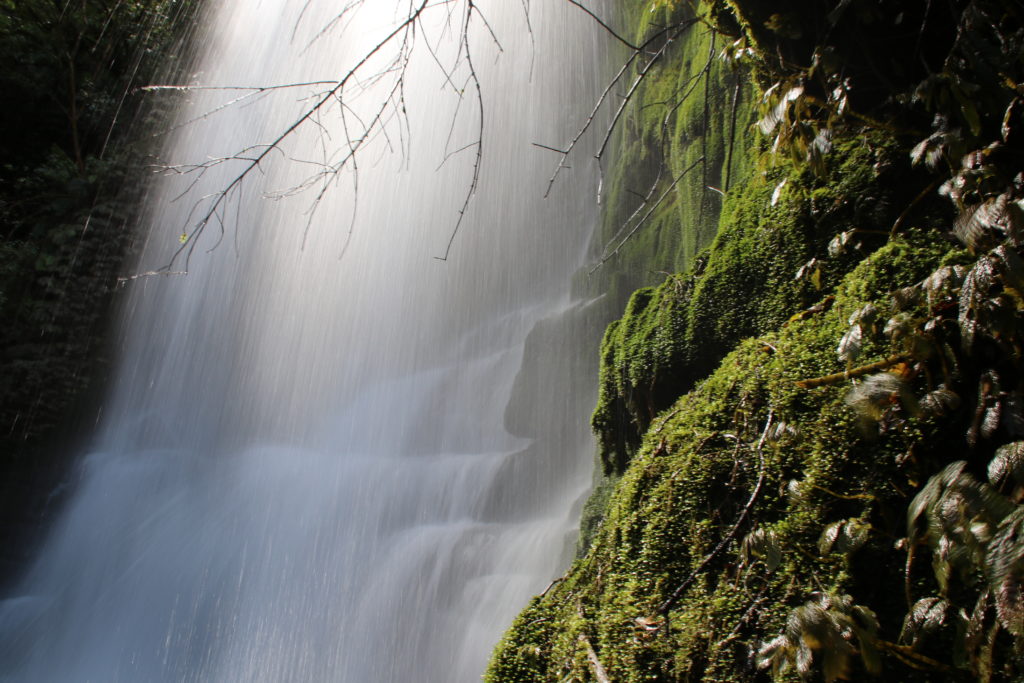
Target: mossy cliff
(811,436)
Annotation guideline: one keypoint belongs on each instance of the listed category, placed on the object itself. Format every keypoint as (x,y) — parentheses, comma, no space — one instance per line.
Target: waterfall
(321,457)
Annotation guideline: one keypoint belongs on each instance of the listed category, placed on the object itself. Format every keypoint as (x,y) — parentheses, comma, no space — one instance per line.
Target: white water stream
(303,470)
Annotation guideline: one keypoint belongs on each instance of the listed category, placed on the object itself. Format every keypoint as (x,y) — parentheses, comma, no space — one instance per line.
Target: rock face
(806,433)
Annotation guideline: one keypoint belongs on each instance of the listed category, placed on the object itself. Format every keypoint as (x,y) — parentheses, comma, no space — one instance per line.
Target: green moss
(691,106)
(707,427)
(695,468)
(672,335)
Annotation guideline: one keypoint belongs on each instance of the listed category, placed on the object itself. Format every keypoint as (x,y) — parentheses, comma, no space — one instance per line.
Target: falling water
(325,455)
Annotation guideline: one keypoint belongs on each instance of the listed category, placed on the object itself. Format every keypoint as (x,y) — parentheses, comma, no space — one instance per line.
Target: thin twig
(595,664)
(665,606)
(643,220)
(605,26)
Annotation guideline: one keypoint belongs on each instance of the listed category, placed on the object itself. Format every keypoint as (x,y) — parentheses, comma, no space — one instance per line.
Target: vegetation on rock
(812,437)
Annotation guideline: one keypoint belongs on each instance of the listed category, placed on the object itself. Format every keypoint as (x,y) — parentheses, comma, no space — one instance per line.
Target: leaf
(820,146)
(786,25)
(992,220)
(1007,465)
(940,402)
(774,653)
(1004,568)
(942,282)
(899,326)
(865,627)
(777,194)
(865,315)
(781,429)
(845,536)
(850,345)
(967,227)
(974,289)
(837,246)
(877,394)
(778,113)
(929,496)
(1013,414)
(762,544)
(974,632)
(957,515)
(961,90)
(1013,111)
(837,12)
(931,150)
(810,271)
(989,408)
(828,625)
(906,297)
(992,418)
(925,617)
(1011,268)
(828,537)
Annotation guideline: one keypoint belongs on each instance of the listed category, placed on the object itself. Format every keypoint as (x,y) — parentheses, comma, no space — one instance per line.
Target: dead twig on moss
(595,664)
(670,602)
(649,213)
(837,377)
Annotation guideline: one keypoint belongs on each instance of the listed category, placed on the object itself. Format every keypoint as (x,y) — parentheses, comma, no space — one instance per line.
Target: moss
(677,117)
(671,336)
(707,429)
(695,468)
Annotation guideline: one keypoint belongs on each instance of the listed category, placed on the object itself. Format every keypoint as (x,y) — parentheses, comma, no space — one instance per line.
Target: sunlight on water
(307,469)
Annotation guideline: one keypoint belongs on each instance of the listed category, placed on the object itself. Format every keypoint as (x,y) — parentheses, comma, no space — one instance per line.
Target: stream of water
(315,461)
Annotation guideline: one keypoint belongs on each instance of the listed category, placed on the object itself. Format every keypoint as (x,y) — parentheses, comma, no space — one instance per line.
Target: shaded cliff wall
(74,167)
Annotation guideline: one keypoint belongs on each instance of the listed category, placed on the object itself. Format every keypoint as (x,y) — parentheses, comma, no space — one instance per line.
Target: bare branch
(665,606)
(674,32)
(649,213)
(402,31)
(605,26)
(470,9)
